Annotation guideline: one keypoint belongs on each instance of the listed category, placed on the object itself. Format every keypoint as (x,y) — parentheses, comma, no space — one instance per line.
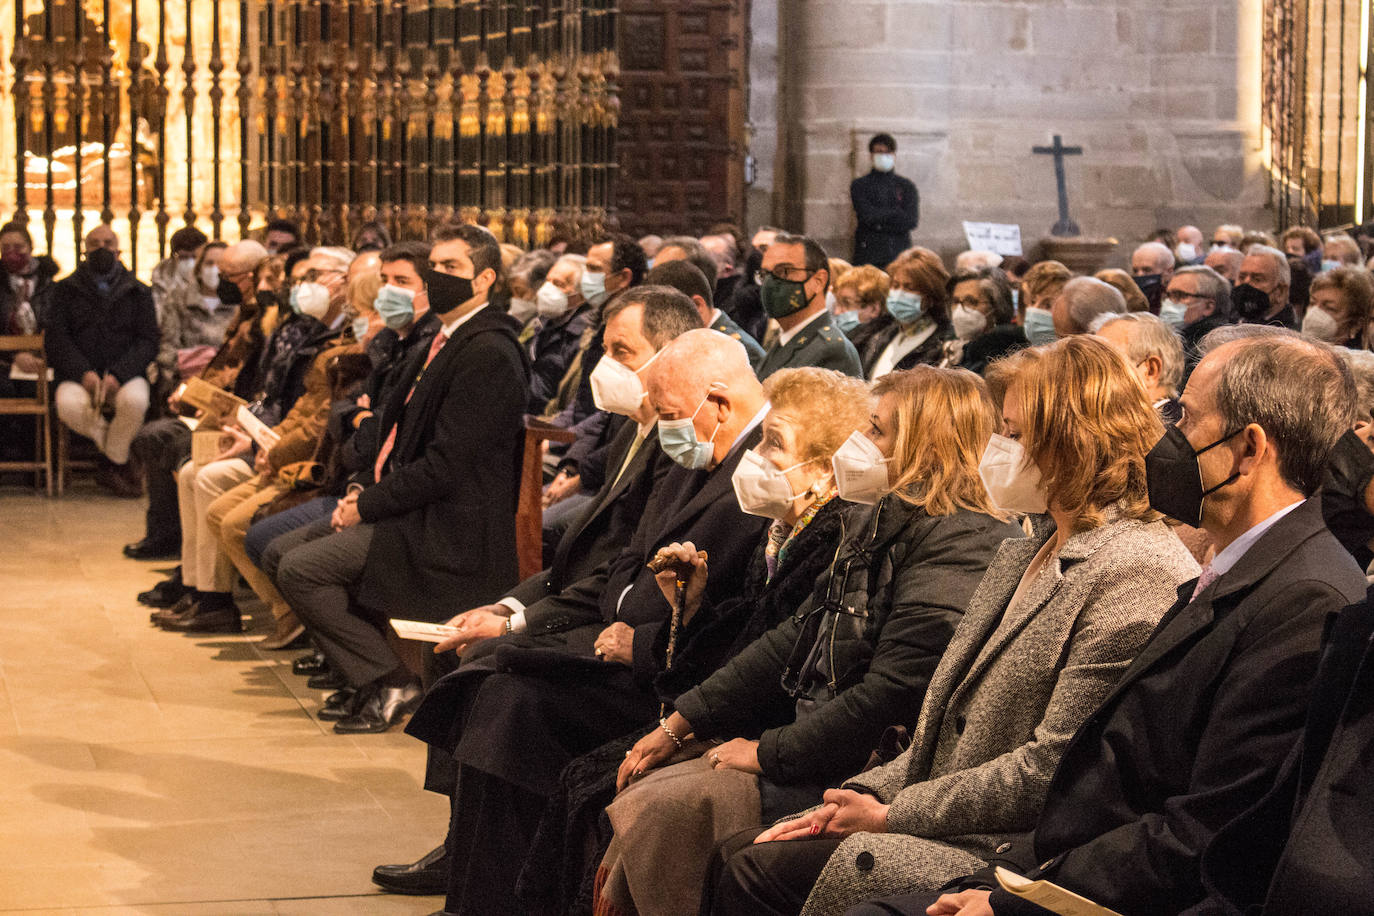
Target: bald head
(102,236)
(705,375)
(368,262)
(1081,301)
(242,256)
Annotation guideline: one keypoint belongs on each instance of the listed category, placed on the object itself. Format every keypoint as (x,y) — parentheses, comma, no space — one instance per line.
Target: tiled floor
(150,772)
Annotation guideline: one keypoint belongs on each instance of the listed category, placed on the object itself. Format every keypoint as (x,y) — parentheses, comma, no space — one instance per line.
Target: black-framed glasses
(785,273)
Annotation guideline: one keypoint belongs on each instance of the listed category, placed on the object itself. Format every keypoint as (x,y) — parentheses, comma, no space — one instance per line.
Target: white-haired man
(1152,265)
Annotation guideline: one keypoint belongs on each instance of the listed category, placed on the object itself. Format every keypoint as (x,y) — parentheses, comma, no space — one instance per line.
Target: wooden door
(680,144)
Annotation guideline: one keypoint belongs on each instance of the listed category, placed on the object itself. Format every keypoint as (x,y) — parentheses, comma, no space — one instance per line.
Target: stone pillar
(1163,98)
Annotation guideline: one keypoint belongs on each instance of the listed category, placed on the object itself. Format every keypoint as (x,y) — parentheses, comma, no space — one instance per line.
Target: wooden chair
(529,511)
(64,462)
(38,406)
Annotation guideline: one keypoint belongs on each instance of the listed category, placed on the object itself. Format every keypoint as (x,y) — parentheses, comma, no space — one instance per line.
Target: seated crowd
(859,584)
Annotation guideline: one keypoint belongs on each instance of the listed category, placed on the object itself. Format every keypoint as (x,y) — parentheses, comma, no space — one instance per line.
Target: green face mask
(782,297)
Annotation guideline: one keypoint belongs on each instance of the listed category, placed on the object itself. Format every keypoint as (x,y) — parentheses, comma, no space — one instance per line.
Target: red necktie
(390,443)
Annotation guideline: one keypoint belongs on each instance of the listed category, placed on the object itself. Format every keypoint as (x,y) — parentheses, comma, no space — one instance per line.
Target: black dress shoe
(383,709)
(428,875)
(339,705)
(215,620)
(326,680)
(166,593)
(313,663)
(152,550)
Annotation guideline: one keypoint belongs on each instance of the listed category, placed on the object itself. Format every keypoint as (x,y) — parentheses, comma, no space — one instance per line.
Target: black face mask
(1250,302)
(1174,479)
(229,293)
(102,260)
(446,292)
(266,298)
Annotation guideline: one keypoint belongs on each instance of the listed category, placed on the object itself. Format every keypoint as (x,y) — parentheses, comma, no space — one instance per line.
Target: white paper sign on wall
(1000,238)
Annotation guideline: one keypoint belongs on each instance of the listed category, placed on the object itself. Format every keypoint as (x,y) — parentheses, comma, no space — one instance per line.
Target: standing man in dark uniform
(887,206)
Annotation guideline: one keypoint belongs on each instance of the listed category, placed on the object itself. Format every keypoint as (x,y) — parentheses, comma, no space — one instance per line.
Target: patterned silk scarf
(780,535)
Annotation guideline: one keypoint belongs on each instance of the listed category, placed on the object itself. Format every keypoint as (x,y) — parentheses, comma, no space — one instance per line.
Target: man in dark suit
(639,323)
(1200,723)
(438,526)
(886,207)
(796,275)
(688,277)
(1308,843)
(516,714)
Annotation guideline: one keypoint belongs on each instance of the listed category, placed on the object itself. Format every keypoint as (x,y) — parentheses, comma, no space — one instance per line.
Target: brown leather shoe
(288,630)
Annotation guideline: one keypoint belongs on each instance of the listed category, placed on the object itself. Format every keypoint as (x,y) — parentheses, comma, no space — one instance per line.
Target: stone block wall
(1161,94)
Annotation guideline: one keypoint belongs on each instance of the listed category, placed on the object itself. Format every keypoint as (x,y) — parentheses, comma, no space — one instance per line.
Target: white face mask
(186,267)
(860,470)
(1186,252)
(1173,313)
(884,162)
(1012,479)
(616,387)
(550,301)
(522,310)
(313,299)
(1319,325)
(762,489)
(209,276)
(968,323)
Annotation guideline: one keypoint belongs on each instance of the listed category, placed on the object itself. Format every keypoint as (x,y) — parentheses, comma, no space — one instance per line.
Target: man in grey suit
(796,275)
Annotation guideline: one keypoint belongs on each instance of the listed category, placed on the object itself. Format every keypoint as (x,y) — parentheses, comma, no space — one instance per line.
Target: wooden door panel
(681,136)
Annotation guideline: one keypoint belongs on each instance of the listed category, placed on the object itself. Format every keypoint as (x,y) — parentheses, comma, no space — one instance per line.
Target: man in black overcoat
(437,528)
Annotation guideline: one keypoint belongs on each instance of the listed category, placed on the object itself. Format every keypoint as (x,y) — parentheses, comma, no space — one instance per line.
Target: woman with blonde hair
(1126,286)
(806,702)
(860,294)
(1054,623)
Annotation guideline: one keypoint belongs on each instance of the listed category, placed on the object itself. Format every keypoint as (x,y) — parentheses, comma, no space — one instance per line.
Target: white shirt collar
(1222,562)
(448,329)
(715,316)
(785,337)
(758,418)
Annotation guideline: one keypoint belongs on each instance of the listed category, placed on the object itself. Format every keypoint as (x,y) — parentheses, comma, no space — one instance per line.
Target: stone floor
(150,772)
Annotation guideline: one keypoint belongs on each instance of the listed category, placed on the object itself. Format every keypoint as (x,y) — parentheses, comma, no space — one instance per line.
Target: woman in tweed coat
(1054,623)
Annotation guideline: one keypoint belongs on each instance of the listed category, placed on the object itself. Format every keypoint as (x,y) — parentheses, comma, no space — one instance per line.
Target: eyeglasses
(1180,294)
(977,304)
(785,273)
(314,276)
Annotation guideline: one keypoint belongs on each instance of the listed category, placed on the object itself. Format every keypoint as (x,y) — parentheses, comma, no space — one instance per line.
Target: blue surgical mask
(1172,313)
(360,326)
(1039,327)
(594,288)
(1015,299)
(395,305)
(1330,265)
(905,306)
(678,439)
(847,321)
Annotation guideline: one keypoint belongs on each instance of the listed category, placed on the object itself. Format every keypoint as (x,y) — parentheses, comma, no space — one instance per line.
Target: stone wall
(1161,94)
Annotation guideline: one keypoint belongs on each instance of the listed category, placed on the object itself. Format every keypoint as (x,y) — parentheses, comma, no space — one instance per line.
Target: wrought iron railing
(151,114)
(1313,60)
